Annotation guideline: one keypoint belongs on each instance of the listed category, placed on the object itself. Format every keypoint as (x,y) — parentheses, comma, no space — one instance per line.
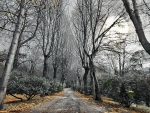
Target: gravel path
(67,103)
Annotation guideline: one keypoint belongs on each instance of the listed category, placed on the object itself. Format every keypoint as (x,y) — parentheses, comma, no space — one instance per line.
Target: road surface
(67,103)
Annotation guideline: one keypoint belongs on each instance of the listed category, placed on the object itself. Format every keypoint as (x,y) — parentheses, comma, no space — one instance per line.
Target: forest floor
(67,101)
(13,105)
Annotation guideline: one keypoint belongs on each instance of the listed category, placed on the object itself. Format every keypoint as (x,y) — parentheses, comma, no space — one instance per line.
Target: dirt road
(67,103)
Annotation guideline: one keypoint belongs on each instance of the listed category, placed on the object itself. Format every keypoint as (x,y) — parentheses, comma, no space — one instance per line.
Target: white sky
(127,28)
(70,6)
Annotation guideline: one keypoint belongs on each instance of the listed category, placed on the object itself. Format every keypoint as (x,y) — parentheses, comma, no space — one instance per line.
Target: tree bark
(120,67)
(124,57)
(45,67)
(85,79)
(15,64)
(55,72)
(11,54)
(135,18)
(96,92)
(79,89)
(91,84)
(62,79)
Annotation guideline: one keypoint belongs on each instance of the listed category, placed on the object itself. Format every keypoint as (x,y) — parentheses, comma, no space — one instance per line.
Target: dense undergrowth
(126,90)
(31,85)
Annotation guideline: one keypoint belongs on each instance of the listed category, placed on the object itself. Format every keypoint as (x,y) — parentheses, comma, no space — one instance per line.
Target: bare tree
(133,12)
(66,54)
(48,28)
(23,39)
(93,16)
(59,43)
(118,56)
(11,54)
(30,21)
(80,44)
(56,59)
(79,78)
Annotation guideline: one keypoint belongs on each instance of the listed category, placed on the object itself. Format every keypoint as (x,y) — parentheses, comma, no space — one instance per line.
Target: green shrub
(55,86)
(135,90)
(28,85)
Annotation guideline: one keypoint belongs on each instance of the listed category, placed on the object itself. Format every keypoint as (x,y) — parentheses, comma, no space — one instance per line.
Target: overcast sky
(69,9)
(71,5)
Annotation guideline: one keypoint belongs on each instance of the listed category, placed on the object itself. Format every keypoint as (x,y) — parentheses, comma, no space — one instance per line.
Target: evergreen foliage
(31,85)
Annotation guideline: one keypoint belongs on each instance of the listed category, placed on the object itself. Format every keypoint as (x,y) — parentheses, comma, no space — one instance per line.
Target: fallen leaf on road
(16,105)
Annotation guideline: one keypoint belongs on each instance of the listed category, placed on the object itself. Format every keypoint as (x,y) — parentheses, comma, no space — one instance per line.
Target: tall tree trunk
(120,68)
(32,68)
(62,79)
(123,59)
(45,67)
(85,79)
(15,64)
(11,54)
(135,17)
(79,89)
(91,84)
(55,72)
(96,92)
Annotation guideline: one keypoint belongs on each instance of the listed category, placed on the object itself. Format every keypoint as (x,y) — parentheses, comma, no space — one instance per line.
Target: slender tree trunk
(62,79)
(15,64)
(11,54)
(135,18)
(32,69)
(45,67)
(123,61)
(85,79)
(62,69)
(79,83)
(55,72)
(120,68)
(91,84)
(96,92)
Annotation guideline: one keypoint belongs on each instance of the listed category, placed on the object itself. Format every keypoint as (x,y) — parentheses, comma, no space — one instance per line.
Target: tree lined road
(66,103)
(84,50)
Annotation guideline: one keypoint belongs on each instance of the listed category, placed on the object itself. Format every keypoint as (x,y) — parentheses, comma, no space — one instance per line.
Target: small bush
(126,90)
(28,85)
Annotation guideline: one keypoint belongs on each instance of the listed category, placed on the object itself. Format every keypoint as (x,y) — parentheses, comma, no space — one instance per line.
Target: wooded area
(101,48)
